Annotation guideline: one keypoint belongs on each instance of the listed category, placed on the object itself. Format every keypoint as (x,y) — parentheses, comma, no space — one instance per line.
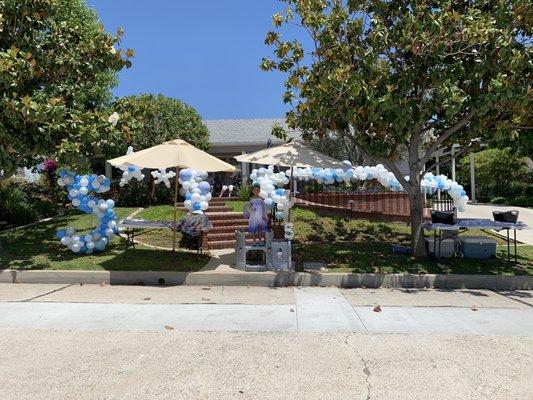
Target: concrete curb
(271,279)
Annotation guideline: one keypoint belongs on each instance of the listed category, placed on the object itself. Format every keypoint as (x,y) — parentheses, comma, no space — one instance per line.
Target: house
(233,137)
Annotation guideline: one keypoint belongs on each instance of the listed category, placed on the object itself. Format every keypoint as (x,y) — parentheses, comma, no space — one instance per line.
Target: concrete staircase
(225,222)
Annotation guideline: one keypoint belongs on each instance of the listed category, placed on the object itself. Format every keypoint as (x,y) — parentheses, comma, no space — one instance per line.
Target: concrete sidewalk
(88,342)
(266,310)
(485,211)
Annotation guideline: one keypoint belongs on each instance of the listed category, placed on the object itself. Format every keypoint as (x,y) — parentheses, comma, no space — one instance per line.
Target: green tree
(148,119)
(57,65)
(402,76)
(497,172)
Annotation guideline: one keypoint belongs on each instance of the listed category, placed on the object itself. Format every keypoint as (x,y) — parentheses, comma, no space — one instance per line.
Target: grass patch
(377,257)
(159,213)
(37,247)
(237,205)
(354,245)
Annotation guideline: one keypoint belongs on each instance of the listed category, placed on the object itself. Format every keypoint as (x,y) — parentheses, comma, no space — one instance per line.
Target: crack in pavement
(46,294)
(366,370)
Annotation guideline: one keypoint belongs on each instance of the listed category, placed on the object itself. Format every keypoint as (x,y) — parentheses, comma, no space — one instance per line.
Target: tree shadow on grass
(377,257)
(37,247)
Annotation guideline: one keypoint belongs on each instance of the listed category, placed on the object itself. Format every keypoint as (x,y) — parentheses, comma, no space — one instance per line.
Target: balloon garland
(271,183)
(195,189)
(79,189)
(130,171)
(271,189)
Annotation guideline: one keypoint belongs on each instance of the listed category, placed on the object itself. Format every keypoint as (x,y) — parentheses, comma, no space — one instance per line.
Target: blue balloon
(197,206)
(204,187)
(185,174)
(188,196)
(103,218)
(131,168)
(280,192)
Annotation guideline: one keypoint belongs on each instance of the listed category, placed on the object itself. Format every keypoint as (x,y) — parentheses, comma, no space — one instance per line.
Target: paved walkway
(287,310)
(235,343)
(485,211)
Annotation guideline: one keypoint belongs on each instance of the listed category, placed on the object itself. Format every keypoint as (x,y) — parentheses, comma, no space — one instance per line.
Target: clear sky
(204,52)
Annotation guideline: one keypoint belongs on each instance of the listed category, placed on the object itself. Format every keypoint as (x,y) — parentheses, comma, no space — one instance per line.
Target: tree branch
(445,135)
(389,164)
(463,150)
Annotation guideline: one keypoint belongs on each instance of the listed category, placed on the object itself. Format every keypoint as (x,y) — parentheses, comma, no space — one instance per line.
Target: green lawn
(344,244)
(37,247)
(159,213)
(354,245)
(377,257)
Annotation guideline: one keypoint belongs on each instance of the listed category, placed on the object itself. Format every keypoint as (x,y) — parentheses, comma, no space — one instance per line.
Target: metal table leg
(515,255)
(508,247)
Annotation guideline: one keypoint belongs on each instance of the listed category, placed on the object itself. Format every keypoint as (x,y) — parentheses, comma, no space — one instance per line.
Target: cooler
(447,247)
(477,247)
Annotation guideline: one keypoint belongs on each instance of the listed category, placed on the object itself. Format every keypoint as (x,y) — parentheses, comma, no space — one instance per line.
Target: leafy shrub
(313,187)
(528,191)
(139,194)
(22,203)
(244,191)
(522,202)
(499,173)
(16,207)
(134,194)
(498,200)
(518,189)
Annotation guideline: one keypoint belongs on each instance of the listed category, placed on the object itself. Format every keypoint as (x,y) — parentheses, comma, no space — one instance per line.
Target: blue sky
(204,52)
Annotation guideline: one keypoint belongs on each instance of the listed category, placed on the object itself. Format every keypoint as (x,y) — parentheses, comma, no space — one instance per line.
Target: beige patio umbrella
(293,154)
(176,154)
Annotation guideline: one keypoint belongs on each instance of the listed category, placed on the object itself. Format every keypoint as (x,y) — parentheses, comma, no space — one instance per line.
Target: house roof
(245,131)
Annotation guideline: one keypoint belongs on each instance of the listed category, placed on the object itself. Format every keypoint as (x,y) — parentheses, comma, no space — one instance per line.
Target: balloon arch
(82,190)
(272,183)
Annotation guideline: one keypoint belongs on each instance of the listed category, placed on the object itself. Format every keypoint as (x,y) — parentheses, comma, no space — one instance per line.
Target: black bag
(506,216)
(442,217)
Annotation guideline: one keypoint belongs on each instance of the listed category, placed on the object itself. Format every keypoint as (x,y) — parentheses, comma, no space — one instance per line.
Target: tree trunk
(416,202)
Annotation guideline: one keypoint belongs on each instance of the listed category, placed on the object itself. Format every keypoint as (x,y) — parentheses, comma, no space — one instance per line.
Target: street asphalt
(133,342)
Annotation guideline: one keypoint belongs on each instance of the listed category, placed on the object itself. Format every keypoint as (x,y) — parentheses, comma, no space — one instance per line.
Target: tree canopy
(57,65)
(147,120)
(411,77)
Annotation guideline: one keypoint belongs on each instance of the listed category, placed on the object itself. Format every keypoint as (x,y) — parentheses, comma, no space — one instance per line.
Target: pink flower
(50,166)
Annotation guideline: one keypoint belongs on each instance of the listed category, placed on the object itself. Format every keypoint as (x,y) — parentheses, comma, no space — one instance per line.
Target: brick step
(212,208)
(223,199)
(223,244)
(227,228)
(224,236)
(217,216)
(231,225)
